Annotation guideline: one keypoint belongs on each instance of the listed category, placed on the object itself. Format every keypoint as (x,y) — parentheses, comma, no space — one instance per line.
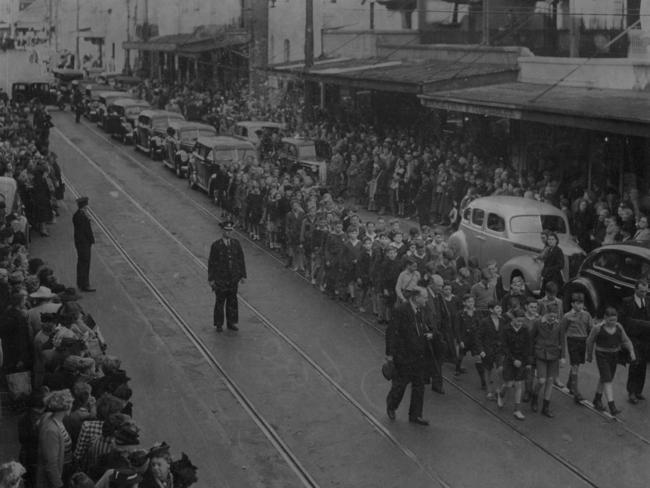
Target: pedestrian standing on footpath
(83,241)
(607,339)
(636,320)
(408,345)
(226,270)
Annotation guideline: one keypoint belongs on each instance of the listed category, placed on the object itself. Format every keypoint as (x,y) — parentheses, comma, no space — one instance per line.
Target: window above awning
(617,111)
(399,75)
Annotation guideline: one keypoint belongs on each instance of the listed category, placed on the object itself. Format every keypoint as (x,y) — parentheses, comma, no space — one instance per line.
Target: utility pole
(486,22)
(56,25)
(77,61)
(372,14)
(127,61)
(309,56)
(50,21)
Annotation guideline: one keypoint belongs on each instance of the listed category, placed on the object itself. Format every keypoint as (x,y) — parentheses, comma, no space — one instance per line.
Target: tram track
(204,350)
(206,211)
(558,458)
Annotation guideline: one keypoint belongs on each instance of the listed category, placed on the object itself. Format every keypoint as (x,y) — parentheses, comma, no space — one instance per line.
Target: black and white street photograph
(324,243)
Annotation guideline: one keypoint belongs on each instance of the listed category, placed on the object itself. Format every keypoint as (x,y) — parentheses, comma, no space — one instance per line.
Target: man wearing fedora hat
(83,241)
(226,269)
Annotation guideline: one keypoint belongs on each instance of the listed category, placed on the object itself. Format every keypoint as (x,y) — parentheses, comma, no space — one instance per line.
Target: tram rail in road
(554,455)
(433,475)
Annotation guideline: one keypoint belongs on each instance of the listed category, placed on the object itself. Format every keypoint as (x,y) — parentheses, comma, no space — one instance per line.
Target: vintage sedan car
(305,154)
(121,117)
(252,130)
(507,230)
(181,136)
(91,98)
(150,129)
(42,90)
(104,99)
(609,274)
(211,154)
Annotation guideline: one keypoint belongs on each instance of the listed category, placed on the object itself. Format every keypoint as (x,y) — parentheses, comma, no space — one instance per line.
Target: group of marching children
(523,340)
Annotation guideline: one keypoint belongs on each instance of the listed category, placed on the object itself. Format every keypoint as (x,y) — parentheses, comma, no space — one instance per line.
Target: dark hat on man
(69,295)
(227,225)
(82,202)
(123,478)
(138,457)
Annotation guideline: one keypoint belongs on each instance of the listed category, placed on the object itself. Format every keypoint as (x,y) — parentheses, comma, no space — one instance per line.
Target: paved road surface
(309,366)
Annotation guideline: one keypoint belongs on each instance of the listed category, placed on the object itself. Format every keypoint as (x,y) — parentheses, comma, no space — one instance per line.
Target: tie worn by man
(408,346)
(83,241)
(636,322)
(226,269)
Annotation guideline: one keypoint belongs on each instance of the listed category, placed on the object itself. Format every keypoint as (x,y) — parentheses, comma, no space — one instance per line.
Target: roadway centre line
(344,393)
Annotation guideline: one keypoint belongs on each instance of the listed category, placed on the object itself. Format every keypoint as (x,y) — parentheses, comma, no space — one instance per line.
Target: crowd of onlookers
(75,426)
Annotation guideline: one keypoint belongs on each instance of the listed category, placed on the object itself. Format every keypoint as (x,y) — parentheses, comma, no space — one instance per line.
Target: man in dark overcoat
(83,241)
(636,322)
(407,345)
(226,269)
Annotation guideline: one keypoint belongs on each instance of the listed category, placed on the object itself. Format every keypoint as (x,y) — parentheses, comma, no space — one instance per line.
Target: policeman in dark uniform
(226,269)
(77,102)
(83,241)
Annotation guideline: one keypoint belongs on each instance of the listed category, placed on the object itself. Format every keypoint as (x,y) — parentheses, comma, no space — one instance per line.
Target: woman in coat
(14,335)
(553,262)
(54,443)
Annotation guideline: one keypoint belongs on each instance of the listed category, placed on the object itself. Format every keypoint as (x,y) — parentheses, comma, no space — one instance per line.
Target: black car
(25,91)
(150,131)
(608,274)
(121,117)
(181,136)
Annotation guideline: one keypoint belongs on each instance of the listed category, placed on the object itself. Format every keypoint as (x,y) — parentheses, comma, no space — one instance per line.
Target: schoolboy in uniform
(517,358)
(577,324)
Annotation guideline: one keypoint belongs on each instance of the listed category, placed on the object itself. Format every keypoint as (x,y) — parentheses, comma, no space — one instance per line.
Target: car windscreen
(232,154)
(115,110)
(132,111)
(534,224)
(188,135)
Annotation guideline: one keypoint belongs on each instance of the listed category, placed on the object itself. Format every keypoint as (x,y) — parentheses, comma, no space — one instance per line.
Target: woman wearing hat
(54,442)
(159,474)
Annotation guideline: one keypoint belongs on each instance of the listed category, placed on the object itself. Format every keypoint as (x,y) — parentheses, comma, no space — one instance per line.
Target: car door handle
(480,238)
(616,287)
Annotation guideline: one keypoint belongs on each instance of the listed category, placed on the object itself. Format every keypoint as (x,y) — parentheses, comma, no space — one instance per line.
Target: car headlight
(184,157)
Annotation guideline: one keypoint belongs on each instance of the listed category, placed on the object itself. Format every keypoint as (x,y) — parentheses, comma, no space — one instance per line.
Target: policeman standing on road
(83,241)
(636,321)
(77,101)
(226,269)
(408,346)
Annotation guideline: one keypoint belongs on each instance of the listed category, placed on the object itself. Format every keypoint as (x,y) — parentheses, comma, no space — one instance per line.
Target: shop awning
(201,40)
(160,43)
(616,111)
(399,75)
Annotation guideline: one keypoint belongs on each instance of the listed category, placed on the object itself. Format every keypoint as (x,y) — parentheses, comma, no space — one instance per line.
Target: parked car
(181,136)
(91,98)
(609,274)
(311,156)
(43,90)
(103,101)
(507,230)
(121,117)
(252,130)
(209,156)
(150,129)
